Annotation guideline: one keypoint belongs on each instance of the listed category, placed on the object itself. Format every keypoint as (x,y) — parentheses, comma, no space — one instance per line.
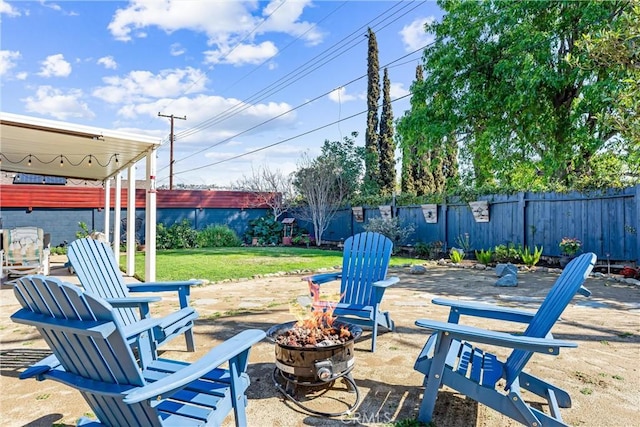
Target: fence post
(445,237)
(522,221)
(636,200)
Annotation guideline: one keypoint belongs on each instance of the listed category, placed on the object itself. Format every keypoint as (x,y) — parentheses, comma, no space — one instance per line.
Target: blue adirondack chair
(363,281)
(91,354)
(450,358)
(96,267)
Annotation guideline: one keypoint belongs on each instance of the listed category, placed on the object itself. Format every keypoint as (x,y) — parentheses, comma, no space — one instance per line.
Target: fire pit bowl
(323,362)
(306,366)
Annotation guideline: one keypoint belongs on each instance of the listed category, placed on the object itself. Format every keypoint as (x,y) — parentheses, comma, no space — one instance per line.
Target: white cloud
(8,9)
(340,95)
(108,62)
(226,23)
(54,102)
(176,49)
(22,75)
(242,54)
(284,18)
(55,66)
(414,36)
(143,85)
(397,90)
(8,60)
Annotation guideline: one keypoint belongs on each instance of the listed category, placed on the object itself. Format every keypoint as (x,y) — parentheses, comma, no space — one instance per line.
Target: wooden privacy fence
(605,222)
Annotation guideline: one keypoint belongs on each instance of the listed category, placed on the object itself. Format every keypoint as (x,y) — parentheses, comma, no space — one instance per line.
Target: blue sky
(254,79)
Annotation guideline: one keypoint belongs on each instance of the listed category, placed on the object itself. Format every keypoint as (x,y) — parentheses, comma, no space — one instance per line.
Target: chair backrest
(365,261)
(23,245)
(565,288)
(96,268)
(87,339)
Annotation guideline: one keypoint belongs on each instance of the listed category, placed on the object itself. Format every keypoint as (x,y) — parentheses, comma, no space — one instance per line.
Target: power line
(284,140)
(302,71)
(295,108)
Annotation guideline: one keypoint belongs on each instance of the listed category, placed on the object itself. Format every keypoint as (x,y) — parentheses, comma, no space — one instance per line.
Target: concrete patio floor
(601,375)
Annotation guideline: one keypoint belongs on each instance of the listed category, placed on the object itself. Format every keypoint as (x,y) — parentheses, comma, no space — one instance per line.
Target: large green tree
(373,96)
(387,169)
(618,47)
(499,84)
(429,151)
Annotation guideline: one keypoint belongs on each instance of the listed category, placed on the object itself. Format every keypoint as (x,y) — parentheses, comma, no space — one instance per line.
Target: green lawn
(215,264)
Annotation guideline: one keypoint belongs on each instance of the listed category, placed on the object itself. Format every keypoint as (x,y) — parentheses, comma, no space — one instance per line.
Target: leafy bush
(456,255)
(84,230)
(507,253)
(390,228)
(217,236)
(484,257)
(178,236)
(531,258)
(266,229)
(463,242)
(58,250)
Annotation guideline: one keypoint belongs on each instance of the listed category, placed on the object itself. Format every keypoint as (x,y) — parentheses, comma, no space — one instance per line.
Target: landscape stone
(504,269)
(509,280)
(418,269)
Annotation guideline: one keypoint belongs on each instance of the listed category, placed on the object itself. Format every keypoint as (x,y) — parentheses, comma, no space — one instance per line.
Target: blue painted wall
(606,222)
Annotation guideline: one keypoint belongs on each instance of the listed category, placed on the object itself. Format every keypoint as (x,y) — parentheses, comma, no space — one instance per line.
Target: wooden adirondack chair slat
(451,356)
(363,282)
(96,267)
(92,354)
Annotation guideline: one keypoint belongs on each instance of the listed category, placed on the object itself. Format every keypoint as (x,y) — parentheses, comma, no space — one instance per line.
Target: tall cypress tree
(373,96)
(387,174)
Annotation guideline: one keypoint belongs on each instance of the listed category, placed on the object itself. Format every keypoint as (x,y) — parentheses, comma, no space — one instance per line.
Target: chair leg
(374,333)
(434,379)
(188,335)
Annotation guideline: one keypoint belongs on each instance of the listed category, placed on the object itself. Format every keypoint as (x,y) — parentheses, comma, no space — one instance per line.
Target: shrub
(58,250)
(217,236)
(421,249)
(390,228)
(463,242)
(266,229)
(84,230)
(507,253)
(178,236)
(530,258)
(456,255)
(484,257)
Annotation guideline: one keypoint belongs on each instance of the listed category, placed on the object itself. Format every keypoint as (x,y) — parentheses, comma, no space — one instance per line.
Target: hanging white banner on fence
(430,213)
(385,211)
(480,210)
(358,213)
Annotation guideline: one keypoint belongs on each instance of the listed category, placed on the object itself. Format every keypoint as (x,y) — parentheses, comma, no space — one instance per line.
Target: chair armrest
(140,326)
(584,291)
(131,301)
(502,339)
(386,282)
(319,279)
(45,365)
(161,286)
(216,357)
(489,311)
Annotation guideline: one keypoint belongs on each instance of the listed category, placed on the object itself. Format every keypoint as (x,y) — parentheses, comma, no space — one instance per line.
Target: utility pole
(171,146)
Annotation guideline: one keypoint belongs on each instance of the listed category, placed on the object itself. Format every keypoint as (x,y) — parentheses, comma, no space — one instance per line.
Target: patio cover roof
(86,152)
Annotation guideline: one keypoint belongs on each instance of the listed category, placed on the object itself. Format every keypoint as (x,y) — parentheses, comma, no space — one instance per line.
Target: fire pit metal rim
(276,330)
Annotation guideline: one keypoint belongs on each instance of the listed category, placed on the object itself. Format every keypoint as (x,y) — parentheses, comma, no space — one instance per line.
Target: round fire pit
(314,364)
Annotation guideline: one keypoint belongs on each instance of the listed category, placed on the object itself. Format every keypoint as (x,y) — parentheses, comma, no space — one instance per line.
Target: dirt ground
(601,375)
